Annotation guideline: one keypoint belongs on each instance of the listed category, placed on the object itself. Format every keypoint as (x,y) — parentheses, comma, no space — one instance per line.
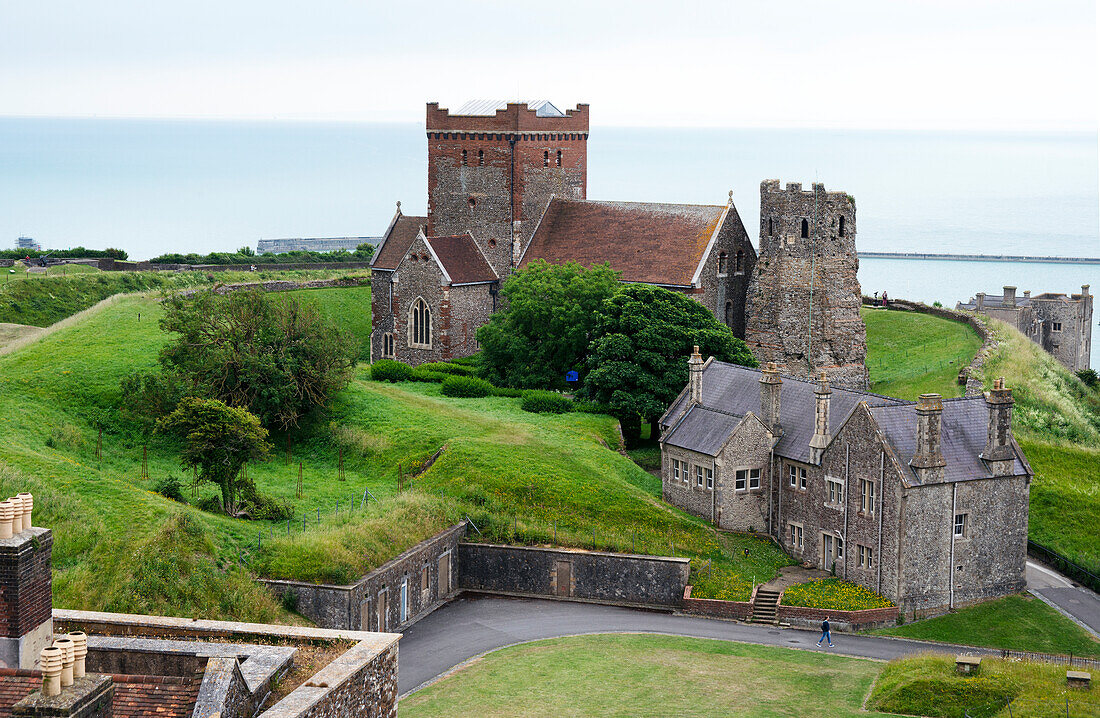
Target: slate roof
(736,390)
(962,439)
(703,430)
(135,696)
(395,244)
(462,259)
(647,242)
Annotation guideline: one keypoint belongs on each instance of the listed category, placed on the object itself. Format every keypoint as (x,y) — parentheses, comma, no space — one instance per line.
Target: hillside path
(1079,603)
(472,625)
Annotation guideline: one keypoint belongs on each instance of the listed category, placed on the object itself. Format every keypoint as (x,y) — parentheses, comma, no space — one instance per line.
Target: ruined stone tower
(804,297)
(492,168)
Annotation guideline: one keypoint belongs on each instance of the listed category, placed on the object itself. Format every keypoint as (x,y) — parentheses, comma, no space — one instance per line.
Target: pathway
(1070,598)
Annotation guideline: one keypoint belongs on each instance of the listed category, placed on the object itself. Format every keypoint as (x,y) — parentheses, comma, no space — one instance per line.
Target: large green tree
(638,360)
(271,354)
(217,440)
(545,325)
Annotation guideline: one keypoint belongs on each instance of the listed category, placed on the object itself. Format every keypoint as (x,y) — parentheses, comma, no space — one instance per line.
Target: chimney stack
(998,447)
(695,376)
(1010,296)
(1027,294)
(26,602)
(770,387)
(928,457)
(981,300)
(821,419)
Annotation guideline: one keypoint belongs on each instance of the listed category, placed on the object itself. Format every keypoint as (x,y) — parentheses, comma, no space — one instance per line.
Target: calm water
(156,186)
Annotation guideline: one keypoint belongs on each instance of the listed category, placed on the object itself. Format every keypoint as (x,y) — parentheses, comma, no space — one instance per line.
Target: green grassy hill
(909,353)
(349,307)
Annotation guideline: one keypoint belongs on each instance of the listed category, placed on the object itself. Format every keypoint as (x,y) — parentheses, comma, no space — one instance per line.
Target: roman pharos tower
(804,297)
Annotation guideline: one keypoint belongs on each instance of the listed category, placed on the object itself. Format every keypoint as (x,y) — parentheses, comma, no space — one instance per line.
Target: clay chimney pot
(17,515)
(51,659)
(80,652)
(68,650)
(28,507)
(7,512)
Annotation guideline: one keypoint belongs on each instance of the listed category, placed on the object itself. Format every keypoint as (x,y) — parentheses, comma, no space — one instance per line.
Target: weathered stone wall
(420,278)
(748,448)
(725,294)
(622,579)
(383,310)
(838,620)
(355,606)
(686,493)
(1072,344)
(278,285)
(464,309)
(712,608)
(362,683)
(804,295)
(108,264)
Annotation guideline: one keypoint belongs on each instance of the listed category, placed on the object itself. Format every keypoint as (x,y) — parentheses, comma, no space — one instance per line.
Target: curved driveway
(472,625)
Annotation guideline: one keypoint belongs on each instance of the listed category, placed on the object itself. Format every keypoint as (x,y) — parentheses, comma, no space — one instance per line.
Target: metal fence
(1067,566)
(1037,708)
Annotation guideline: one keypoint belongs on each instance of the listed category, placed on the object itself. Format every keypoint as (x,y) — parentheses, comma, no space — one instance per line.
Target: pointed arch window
(464,162)
(805,229)
(387,346)
(481,158)
(723,264)
(739,262)
(420,325)
(546,158)
(559,158)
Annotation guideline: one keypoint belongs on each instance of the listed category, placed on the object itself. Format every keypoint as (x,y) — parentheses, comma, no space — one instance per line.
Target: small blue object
(570,376)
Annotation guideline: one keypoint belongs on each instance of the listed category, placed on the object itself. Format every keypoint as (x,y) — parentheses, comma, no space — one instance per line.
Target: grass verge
(909,354)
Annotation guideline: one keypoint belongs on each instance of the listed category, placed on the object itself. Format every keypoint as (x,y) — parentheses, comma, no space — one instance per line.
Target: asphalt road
(472,625)
(1081,603)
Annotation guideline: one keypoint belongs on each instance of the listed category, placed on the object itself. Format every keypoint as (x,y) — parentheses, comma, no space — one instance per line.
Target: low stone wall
(969,374)
(354,606)
(361,683)
(713,608)
(280,285)
(838,620)
(108,264)
(620,579)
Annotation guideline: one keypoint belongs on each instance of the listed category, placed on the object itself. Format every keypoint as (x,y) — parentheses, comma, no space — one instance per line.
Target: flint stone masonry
(280,285)
(108,264)
(354,606)
(804,296)
(87,697)
(619,579)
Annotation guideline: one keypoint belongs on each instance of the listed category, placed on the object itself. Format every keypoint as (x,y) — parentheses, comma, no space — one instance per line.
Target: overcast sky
(879,64)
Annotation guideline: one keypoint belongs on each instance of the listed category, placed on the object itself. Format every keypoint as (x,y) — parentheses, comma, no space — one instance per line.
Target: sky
(922,64)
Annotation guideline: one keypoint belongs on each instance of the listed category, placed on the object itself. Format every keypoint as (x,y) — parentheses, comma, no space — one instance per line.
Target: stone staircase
(764,608)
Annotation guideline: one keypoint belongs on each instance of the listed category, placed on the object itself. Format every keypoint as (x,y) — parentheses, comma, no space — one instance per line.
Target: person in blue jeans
(825,635)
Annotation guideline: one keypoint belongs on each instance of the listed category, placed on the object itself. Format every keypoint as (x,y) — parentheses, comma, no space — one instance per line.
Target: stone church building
(507,186)
(925,503)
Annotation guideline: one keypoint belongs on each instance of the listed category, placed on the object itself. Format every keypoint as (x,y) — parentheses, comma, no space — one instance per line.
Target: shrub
(289,601)
(591,407)
(466,386)
(1089,376)
(833,594)
(507,391)
(937,304)
(420,373)
(261,507)
(390,370)
(471,360)
(546,402)
(448,368)
(170,488)
(210,504)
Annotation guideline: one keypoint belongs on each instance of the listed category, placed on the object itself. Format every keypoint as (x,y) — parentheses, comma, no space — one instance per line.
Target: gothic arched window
(546,158)
(420,325)
(464,158)
(723,264)
(559,158)
(805,229)
(480,158)
(729,314)
(739,262)
(387,346)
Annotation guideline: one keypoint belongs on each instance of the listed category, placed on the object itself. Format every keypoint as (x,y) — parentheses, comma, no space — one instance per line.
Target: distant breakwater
(979,257)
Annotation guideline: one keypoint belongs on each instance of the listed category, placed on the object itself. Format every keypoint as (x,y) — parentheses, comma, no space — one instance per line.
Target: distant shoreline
(979,257)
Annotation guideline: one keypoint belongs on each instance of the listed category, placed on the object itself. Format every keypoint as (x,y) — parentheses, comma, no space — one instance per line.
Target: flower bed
(833,594)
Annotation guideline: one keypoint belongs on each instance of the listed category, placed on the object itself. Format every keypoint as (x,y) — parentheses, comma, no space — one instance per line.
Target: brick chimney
(821,419)
(1027,294)
(26,601)
(770,388)
(89,697)
(1009,297)
(928,457)
(998,447)
(695,376)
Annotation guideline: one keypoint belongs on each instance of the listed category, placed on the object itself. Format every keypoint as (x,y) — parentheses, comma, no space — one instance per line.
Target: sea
(156,186)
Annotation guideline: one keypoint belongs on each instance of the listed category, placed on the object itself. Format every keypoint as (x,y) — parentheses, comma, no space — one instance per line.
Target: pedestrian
(885,301)
(825,635)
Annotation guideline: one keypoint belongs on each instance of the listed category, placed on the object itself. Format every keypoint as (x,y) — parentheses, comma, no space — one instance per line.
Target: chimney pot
(998,446)
(51,659)
(928,458)
(695,376)
(28,507)
(80,652)
(1010,296)
(821,437)
(17,515)
(7,513)
(67,649)
(771,386)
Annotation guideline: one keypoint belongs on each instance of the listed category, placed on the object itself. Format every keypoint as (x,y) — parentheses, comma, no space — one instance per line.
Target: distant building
(926,503)
(1060,324)
(28,243)
(329,244)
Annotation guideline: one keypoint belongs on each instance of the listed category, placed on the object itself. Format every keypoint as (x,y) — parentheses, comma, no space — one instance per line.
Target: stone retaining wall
(969,374)
(838,620)
(280,285)
(713,608)
(620,579)
(108,264)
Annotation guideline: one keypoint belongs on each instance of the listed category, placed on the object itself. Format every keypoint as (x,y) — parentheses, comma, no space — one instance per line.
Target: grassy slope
(1020,623)
(909,354)
(928,686)
(349,307)
(633,675)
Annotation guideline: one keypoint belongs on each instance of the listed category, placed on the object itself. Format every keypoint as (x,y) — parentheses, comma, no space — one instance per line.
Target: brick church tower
(804,296)
(492,169)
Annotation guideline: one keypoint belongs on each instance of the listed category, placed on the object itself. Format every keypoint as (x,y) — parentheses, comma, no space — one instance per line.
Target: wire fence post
(340,468)
(298,492)
(288,527)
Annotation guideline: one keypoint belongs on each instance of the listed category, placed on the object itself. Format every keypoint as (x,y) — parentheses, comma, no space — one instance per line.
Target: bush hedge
(546,402)
(448,368)
(591,407)
(466,386)
(390,370)
(420,373)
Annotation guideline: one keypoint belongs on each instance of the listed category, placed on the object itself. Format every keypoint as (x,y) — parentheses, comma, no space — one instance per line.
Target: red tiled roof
(396,244)
(135,696)
(647,242)
(462,259)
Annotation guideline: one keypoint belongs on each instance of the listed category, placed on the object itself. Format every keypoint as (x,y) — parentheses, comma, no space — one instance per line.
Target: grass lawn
(1021,623)
(1065,499)
(928,686)
(14,332)
(645,675)
(909,354)
(349,307)
(833,594)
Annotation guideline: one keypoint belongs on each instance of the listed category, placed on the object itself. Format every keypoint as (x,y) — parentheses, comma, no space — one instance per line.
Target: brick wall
(26,600)
(620,579)
(712,608)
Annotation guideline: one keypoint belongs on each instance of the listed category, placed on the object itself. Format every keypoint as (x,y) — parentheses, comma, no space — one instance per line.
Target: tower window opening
(739,262)
(480,158)
(464,162)
(723,262)
(546,158)
(472,202)
(771,227)
(805,229)
(559,158)
(840,226)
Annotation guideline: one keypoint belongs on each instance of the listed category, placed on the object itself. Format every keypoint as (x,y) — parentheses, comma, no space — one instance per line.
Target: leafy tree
(364,251)
(246,252)
(638,362)
(546,324)
(218,440)
(275,356)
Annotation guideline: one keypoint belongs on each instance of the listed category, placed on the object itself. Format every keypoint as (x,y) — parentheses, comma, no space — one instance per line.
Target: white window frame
(797,535)
(960,527)
(741,480)
(866,556)
(834,491)
(754,479)
(710,479)
(699,476)
(675,470)
(867,497)
(792,472)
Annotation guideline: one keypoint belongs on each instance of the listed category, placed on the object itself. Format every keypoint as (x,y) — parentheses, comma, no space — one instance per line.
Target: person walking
(825,635)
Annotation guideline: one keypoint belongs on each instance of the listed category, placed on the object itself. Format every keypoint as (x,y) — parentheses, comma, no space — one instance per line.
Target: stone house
(1061,324)
(926,502)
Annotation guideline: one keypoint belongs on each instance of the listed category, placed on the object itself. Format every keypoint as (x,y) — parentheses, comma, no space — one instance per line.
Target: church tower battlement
(804,296)
(493,167)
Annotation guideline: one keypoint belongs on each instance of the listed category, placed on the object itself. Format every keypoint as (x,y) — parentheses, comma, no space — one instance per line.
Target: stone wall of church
(804,295)
(419,278)
(725,293)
